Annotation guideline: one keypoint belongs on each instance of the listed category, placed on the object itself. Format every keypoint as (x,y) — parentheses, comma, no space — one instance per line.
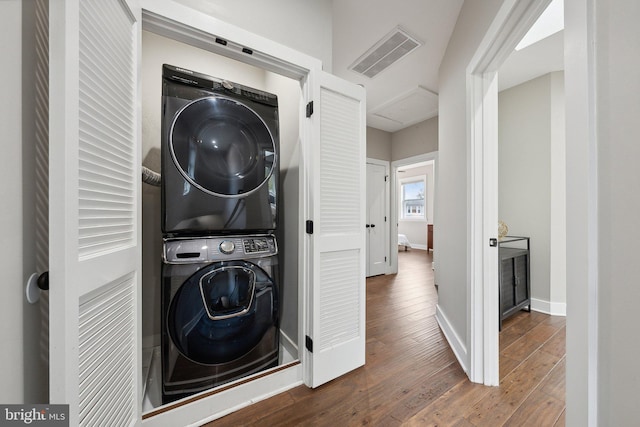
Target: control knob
(227,247)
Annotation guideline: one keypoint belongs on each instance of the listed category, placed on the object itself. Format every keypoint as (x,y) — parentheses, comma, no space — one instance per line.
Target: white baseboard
(548,307)
(456,344)
(413,246)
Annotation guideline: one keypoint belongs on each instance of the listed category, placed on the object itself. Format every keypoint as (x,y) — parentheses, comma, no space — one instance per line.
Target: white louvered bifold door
(337,246)
(94,210)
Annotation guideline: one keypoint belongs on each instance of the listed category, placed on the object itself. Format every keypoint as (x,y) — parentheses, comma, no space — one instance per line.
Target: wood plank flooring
(412,378)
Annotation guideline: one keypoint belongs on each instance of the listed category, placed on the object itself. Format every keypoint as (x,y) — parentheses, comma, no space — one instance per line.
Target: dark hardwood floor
(412,378)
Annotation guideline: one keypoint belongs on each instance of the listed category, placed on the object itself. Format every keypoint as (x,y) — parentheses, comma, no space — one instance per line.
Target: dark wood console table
(515,283)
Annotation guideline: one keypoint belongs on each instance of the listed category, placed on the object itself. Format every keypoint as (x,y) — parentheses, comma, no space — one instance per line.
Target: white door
(376,220)
(335,322)
(94,203)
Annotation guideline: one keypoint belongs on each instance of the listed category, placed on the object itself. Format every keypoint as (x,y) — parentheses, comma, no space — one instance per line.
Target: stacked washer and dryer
(220,290)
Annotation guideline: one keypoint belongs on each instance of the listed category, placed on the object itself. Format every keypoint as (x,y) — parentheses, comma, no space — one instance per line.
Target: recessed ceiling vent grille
(394,46)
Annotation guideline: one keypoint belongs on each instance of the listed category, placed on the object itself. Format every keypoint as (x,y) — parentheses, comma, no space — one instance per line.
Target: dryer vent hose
(150,177)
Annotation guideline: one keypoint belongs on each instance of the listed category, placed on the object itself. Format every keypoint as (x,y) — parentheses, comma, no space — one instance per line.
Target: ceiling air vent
(394,46)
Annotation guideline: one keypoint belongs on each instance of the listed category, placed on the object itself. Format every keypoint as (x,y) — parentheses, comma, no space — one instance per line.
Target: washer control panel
(257,245)
(227,247)
(207,249)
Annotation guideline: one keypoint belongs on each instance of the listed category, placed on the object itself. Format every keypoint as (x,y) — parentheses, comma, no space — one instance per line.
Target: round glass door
(215,316)
(222,147)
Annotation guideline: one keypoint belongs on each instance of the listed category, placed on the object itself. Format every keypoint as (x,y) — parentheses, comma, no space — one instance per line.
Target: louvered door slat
(338,240)
(339,180)
(42,166)
(340,302)
(107,365)
(94,210)
(107,124)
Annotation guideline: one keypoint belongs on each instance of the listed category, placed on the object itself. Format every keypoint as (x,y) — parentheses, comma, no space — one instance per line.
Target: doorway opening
(502,37)
(531,195)
(272,74)
(159,50)
(411,216)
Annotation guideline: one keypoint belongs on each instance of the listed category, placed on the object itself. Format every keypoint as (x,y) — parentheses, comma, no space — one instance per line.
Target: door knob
(373,225)
(367,225)
(35,284)
(43,281)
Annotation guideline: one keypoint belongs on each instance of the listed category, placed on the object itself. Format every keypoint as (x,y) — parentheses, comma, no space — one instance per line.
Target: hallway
(412,377)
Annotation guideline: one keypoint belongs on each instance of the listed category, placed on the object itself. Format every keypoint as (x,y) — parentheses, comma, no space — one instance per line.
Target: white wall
(289,94)
(618,177)
(531,140)
(558,222)
(303,25)
(378,144)
(23,380)
(417,139)
(157,50)
(451,241)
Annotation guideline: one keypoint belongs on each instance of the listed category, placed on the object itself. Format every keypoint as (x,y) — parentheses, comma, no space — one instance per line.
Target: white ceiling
(407,92)
(540,58)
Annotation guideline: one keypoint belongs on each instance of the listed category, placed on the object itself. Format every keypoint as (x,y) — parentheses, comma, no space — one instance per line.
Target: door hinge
(308,343)
(309,226)
(385,259)
(385,219)
(309,108)
(385,178)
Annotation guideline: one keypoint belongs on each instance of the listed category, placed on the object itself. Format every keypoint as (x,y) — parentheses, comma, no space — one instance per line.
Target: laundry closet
(111,257)
(279,203)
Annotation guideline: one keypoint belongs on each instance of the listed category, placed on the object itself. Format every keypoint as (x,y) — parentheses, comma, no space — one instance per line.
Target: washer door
(221,312)
(222,147)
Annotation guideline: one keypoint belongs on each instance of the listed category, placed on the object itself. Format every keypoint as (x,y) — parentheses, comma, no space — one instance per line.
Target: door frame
(387,212)
(512,21)
(393,240)
(186,25)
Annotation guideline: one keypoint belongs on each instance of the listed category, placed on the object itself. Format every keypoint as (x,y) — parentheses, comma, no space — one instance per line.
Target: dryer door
(222,312)
(222,146)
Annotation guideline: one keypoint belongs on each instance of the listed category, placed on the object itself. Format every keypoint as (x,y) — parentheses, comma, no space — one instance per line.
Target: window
(413,198)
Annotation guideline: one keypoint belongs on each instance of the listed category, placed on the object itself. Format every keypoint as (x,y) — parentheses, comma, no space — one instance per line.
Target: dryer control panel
(220,248)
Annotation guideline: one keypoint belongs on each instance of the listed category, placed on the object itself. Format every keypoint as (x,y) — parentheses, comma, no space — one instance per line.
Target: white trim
(218,405)
(305,267)
(417,246)
(512,21)
(393,241)
(582,230)
(455,342)
(182,23)
(387,207)
(549,307)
